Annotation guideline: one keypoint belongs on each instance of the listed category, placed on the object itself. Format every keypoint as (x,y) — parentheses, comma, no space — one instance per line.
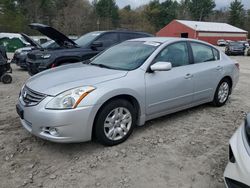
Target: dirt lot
(186,149)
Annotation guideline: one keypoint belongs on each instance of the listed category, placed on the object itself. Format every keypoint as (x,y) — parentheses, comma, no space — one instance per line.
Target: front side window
(108,39)
(176,54)
(87,39)
(203,53)
(125,56)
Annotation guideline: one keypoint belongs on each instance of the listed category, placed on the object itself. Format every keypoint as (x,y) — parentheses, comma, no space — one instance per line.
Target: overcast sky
(219,3)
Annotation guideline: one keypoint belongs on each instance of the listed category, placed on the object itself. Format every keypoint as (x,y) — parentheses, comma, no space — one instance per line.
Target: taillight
(53,65)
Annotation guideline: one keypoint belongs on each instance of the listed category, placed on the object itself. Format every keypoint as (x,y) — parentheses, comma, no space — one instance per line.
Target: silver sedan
(125,86)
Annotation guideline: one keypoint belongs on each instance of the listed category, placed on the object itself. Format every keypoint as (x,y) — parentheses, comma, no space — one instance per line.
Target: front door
(169,90)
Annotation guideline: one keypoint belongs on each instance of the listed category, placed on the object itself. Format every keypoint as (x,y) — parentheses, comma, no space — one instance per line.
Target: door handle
(188,76)
(219,68)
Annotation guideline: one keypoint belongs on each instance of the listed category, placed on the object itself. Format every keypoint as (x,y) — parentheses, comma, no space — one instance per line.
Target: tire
(6,78)
(110,114)
(221,98)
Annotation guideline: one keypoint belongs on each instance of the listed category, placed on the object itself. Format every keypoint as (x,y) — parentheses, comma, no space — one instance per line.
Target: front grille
(31,56)
(30,97)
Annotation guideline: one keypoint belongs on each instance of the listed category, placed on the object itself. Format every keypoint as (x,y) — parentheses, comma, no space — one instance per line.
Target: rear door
(207,71)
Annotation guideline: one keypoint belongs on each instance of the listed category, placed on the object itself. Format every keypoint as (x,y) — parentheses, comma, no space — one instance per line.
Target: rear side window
(108,39)
(176,53)
(128,36)
(203,53)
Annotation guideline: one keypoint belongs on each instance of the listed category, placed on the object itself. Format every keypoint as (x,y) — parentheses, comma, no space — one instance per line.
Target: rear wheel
(115,122)
(6,78)
(222,92)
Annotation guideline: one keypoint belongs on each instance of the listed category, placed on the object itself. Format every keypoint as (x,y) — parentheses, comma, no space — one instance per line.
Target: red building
(207,31)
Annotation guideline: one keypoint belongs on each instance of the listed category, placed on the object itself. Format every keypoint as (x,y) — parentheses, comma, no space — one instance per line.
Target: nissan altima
(125,86)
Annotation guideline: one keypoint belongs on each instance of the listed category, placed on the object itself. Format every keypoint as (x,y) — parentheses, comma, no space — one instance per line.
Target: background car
(235,48)
(20,55)
(245,43)
(126,85)
(221,42)
(70,51)
(237,172)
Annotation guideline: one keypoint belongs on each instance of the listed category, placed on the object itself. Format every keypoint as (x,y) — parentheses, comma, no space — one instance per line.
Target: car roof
(163,39)
(125,31)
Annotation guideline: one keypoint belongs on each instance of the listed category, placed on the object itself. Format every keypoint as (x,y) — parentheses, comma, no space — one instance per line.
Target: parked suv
(235,48)
(20,54)
(71,51)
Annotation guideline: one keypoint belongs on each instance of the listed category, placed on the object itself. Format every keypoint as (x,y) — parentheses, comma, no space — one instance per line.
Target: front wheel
(115,122)
(222,93)
(6,78)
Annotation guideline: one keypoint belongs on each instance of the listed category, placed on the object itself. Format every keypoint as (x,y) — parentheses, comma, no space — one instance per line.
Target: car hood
(57,80)
(24,49)
(53,34)
(31,41)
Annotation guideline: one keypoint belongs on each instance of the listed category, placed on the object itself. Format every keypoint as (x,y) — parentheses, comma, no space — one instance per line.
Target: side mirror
(161,66)
(96,44)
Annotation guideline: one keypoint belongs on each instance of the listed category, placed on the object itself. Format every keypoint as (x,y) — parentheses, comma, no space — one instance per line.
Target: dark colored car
(70,51)
(20,55)
(235,48)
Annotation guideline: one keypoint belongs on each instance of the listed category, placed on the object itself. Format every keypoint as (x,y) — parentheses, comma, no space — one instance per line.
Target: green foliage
(11,19)
(79,16)
(201,9)
(160,14)
(237,13)
(107,11)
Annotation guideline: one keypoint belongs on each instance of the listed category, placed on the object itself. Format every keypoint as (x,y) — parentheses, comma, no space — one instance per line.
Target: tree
(11,17)
(201,9)
(183,9)
(237,13)
(160,14)
(107,12)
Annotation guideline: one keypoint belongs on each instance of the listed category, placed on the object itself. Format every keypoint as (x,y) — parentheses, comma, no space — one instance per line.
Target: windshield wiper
(88,61)
(101,66)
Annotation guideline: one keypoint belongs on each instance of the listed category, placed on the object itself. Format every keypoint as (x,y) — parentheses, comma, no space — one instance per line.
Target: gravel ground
(185,149)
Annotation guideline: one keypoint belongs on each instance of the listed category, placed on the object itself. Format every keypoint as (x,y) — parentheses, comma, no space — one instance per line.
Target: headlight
(70,99)
(45,56)
(24,53)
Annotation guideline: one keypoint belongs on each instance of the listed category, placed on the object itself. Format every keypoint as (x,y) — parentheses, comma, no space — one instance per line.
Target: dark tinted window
(177,54)
(128,36)
(108,39)
(86,39)
(202,53)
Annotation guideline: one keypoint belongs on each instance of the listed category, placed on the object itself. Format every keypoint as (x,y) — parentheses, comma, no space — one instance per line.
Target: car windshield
(50,44)
(86,39)
(126,56)
(236,44)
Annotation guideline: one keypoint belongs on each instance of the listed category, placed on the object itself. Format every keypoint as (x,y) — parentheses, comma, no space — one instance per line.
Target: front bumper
(19,61)
(237,173)
(236,52)
(72,125)
(37,66)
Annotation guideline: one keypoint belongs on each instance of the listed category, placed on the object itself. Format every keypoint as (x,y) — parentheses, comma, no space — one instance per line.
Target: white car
(237,173)
(221,42)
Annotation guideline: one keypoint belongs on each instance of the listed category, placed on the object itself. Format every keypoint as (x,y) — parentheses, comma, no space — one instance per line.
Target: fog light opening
(51,131)
(231,155)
